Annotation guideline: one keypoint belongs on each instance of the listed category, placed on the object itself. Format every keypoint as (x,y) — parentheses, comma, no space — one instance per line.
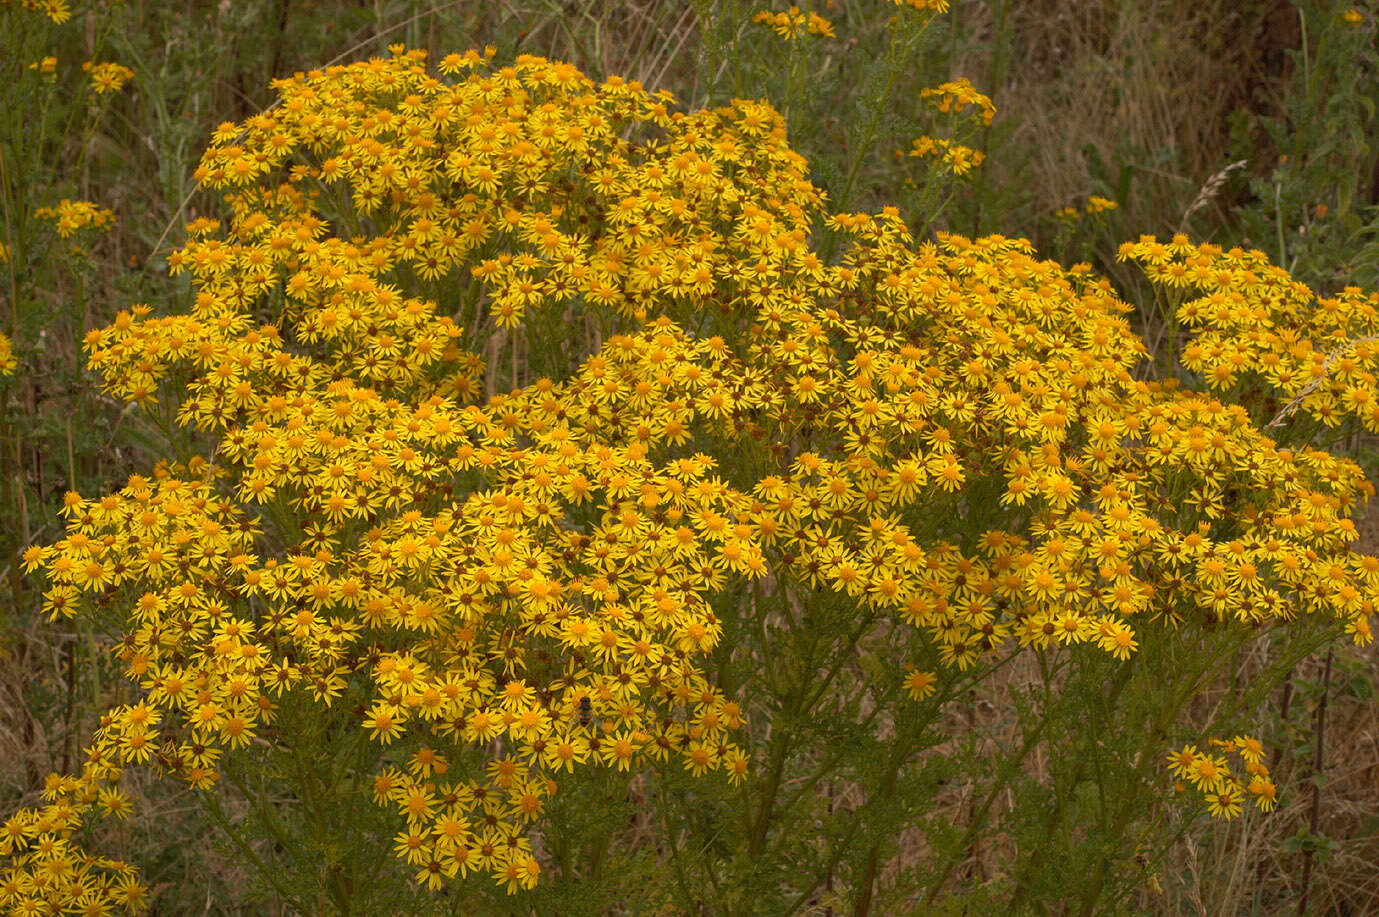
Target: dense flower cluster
(793,22)
(1254,327)
(58,11)
(947,434)
(1211,775)
(47,870)
(107,77)
(70,217)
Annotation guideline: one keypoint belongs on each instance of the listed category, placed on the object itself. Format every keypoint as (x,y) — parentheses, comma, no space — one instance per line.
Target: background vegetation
(1239,123)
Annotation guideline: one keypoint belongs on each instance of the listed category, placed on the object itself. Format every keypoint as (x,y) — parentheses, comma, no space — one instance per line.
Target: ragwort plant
(741,527)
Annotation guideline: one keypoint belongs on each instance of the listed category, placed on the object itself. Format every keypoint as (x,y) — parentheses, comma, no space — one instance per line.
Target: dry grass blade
(1209,192)
(1292,406)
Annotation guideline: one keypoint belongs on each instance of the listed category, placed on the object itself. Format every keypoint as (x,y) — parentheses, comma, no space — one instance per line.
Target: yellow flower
(57,10)
(792,23)
(1182,762)
(71,216)
(919,685)
(1265,793)
(1224,804)
(8,364)
(108,77)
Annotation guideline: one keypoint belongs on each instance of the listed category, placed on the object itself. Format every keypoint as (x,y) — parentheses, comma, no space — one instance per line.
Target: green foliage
(1313,212)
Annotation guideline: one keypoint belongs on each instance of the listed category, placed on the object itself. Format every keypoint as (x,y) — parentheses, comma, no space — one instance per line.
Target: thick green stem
(757,826)
(1130,801)
(861,905)
(1055,816)
(265,812)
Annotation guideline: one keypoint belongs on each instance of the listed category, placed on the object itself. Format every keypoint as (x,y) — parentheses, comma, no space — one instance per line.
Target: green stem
(1007,770)
(212,806)
(896,53)
(265,812)
(1278,222)
(674,847)
(837,666)
(865,884)
(839,849)
(1130,801)
(757,826)
(13,469)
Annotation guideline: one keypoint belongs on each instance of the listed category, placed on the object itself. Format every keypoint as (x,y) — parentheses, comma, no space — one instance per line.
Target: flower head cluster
(955,157)
(108,77)
(792,23)
(944,434)
(955,96)
(1094,207)
(1209,773)
(70,217)
(967,110)
(1097,204)
(57,10)
(1254,328)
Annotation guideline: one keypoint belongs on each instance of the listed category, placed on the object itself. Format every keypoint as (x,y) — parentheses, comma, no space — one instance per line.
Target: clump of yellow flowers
(955,157)
(70,217)
(57,10)
(107,77)
(954,96)
(948,434)
(1212,776)
(1258,332)
(965,106)
(791,23)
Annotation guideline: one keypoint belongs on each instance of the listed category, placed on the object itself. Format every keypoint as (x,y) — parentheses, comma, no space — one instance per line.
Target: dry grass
(1130,100)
